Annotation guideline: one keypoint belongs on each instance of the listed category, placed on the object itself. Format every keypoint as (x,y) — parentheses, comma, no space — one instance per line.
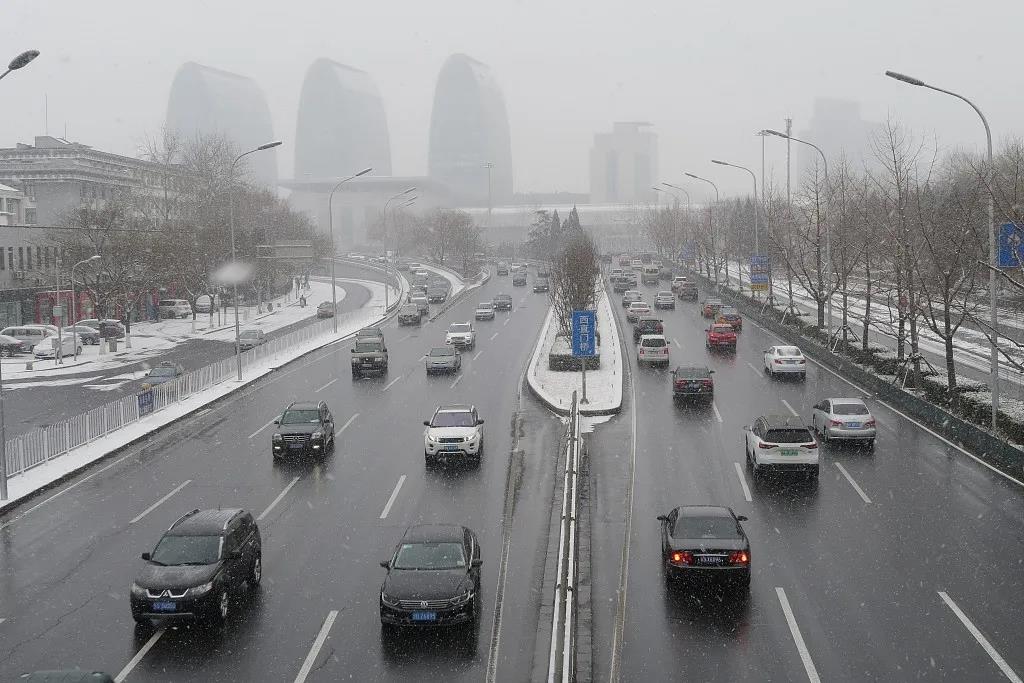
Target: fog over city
(706,76)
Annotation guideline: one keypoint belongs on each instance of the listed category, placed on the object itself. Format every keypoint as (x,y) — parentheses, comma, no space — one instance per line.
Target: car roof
(485,303)
(203,522)
(693,371)
(779,421)
(455,408)
(448,350)
(434,533)
(704,511)
(856,401)
(303,405)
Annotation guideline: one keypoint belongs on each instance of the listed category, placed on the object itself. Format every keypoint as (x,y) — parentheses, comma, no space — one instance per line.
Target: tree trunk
(947,338)
(867,304)
(900,315)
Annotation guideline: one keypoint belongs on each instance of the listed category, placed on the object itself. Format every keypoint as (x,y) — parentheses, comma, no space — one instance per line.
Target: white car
(665,300)
(677,282)
(629,296)
(653,349)
(844,419)
(782,443)
(453,432)
(461,335)
(175,308)
(484,311)
(785,360)
(636,310)
(47,348)
(251,338)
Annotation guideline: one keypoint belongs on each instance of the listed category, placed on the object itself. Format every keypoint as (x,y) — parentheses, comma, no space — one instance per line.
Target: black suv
(433,578)
(205,557)
(693,383)
(502,302)
(647,326)
(304,428)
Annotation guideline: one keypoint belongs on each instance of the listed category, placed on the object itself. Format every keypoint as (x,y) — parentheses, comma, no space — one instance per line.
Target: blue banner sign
(145,402)
(760,270)
(584,333)
(1011,245)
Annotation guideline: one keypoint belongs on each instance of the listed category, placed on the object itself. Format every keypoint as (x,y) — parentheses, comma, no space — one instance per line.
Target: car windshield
(487,305)
(367,345)
(849,409)
(790,435)
(442,351)
(452,418)
(721,329)
(300,416)
(177,550)
(656,342)
(788,351)
(459,327)
(705,527)
(727,310)
(250,334)
(430,556)
(162,371)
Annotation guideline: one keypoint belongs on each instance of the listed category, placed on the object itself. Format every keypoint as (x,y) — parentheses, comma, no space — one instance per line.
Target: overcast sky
(707,75)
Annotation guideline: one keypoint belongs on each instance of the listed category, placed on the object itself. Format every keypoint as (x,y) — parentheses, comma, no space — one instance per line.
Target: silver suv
(443,359)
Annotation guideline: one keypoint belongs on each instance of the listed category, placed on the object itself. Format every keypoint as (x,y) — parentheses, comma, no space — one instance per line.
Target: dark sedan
(10,347)
(433,578)
(705,542)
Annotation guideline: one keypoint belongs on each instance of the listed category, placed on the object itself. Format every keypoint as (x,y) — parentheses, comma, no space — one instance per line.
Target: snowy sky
(707,75)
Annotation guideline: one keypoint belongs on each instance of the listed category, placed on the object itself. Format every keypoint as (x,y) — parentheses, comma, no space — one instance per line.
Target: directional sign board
(760,267)
(1011,245)
(584,329)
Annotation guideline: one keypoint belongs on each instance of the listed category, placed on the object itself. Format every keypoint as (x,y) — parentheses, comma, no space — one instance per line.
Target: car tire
(428,459)
(222,607)
(356,375)
(870,445)
(813,474)
(255,572)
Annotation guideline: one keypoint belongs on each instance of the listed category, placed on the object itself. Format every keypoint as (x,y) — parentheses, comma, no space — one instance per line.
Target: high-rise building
(623,164)
(838,129)
(470,143)
(207,101)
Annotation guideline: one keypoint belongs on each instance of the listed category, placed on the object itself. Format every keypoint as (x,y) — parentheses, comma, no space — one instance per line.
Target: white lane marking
(263,427)
(751,366)
(506,321)
(392,382)
(494,336)
(119,678)
(618,632)
(982,640)
(423,357)
(2,620)
(860,492)
(457,380)
(676,342)
(314,651)
(718,415)
(743,482)
(394,495)
(405,337)
(317,391)
(867,394)
(477,354)
(204,411)
(790,408)
(345,426)
(163,500)
(805,656)
(277,500)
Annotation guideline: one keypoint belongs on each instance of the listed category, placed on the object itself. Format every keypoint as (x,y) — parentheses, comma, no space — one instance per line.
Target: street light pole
(21,60)
(231,224)
(993,249)
(757,222)
(668,192)
(387,260)
(74,321)
(489,166)
(681,189)
(334,251)
(712,222)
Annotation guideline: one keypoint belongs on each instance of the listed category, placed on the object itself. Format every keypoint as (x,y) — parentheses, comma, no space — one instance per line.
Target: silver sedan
(844,419)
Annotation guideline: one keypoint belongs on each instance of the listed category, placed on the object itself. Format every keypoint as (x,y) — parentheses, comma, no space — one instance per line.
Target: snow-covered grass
(604,385)
(457,283)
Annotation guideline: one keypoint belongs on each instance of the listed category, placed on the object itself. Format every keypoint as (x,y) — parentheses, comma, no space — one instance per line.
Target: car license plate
(295,446)
(709,559)
(424,616)
(450,447)
(853,425)
(788,451)
(164,606)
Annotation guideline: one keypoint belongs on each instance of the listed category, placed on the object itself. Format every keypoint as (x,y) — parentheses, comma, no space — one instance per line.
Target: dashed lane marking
(160,502)
(743,482)
(394,496)
(477,354)
(494,336)
(314,651)
(345,426)
(392,382)
(858,489)
(317,391)
(790,408)
(794,629)
(457,380)
(134,662)
(277,500)
(263,427)
(718,415)
(980,637)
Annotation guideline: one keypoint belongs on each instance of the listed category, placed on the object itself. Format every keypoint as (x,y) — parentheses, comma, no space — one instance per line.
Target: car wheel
(428,459)
(355,375)
(222,607)
(813,474)
(871,445)
(256,572)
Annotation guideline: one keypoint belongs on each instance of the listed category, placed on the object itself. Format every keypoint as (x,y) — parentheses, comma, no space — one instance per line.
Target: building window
(39,258)
(30,216)
(21,258)
(3,261)
(46,257)
(10,257)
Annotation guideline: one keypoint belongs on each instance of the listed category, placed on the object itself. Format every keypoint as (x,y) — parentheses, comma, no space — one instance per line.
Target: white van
(175,308)
(650,274)
(30,335)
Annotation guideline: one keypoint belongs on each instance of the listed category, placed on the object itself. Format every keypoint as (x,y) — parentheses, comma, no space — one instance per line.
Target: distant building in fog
(623,164)
(209,101)
(469,130)
(837,127)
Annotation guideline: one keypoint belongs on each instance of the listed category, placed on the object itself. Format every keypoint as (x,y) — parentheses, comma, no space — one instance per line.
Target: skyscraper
(623,164)
(836,127)
(207,101)
(469,130)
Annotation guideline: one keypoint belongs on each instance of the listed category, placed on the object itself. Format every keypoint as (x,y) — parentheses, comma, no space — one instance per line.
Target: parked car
(443,359)
(720,336)
(251,338)
(711,307)
(109,328)
(503,302)
(325,309)
(730,316)
(484,311)
(782,443)
(652,349)
(10,347)
(175,308)
(693,383)
(409,314)
(461,335)
(29,335)
(88,334)
(636,310)
(164,372)
(71,344)
(629,296)
(207,304)
(844,419)
(665,299)
(785,360)
(305,428)
(647,326)
(705,542)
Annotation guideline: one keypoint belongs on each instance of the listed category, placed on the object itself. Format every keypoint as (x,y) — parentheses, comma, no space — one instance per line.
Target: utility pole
(489,166)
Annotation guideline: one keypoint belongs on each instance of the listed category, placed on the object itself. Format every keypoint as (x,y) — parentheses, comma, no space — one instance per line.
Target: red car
(730,316)
(710,308)
(721,336)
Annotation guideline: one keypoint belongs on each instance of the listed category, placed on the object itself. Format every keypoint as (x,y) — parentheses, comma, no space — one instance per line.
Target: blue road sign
(145,402)
(1011,245)
(584,330)
(760,268)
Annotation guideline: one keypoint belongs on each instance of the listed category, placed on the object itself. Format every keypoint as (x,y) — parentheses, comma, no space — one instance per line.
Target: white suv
(653,348)
(461,335)
(780,442)
(454,432)
(175,308)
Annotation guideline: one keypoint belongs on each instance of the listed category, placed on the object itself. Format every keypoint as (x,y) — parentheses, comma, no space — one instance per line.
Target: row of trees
(898,247)
(449,237)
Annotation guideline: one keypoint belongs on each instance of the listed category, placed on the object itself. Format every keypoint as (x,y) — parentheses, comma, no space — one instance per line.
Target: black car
(693,383)
(200,562)
(540,284)
(433,578)
(503,302)
(705,542)
(304,428)
(647,326)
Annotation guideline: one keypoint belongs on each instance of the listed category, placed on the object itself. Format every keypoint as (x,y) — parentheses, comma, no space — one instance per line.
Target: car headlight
(138,590)
(355,361)
(430,438)
(318,435)
(277,438)
(203,589)
(388,600)
(463,598)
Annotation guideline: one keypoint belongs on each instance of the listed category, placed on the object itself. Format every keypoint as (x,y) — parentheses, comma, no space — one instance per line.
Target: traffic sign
(1011,245)
(584,329)
(760,270)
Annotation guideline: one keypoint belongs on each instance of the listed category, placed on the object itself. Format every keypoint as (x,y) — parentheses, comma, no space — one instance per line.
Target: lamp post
(681,189)
(668,192)
(21,60)
(231,224)
(489,166)
(757,226)
(993,255)
(711,221)
(334,251)
(74,321)
(828,229)
(387,261)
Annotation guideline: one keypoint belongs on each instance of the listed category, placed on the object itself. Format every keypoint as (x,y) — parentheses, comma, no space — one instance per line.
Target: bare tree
(574,276)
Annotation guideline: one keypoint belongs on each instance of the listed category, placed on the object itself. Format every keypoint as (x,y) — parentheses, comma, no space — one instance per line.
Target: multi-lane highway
(902,564)
(68,557)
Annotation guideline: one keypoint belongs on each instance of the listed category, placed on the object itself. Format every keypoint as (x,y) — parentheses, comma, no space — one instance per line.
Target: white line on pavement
(457,380)
(317,391)
(618,632)
(394,495)
(277,500)
(2,620)
(982,640)
(743,482)
(506,321)
(860,492)
(345,426)
(477,354)
(423,357)
(790,408)
(163,500)
(805,656)
(119,678)
(718,415)
(405,337)
(262,428)
(321,638)
(204,411)
(392,382)
(676,342)
(494,336)
(751,366)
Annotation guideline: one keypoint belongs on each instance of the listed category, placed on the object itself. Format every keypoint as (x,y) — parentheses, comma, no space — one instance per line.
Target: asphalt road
(67,558)
(863,573)
(27,408)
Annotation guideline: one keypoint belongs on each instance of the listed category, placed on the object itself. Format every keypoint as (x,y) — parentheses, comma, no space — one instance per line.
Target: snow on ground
(604,386)
(35,478)
(457,283)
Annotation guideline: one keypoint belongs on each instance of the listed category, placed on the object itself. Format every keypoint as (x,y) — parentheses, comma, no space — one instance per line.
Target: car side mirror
(746,428)
(741,518)
(662,518)
(386,564)
(476,563)
(479,422)
(426,423)
(147,556)
(352,350)
(711,372)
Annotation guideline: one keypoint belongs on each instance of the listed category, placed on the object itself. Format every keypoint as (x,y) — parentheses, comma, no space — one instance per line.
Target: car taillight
(708,383)
(765,445)
(641,350)
(800,362)
(681,557)
(869,423)
(836,423)
(776,361)
(741,557)
(811,446)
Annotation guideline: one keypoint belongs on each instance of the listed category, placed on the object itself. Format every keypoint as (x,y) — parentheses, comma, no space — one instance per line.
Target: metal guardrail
(562,655)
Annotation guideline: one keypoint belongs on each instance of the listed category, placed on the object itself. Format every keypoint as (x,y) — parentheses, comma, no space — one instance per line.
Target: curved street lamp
(681,189)
(334,251)
(718,198)
(20,61)
(74,320)
(757,227)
